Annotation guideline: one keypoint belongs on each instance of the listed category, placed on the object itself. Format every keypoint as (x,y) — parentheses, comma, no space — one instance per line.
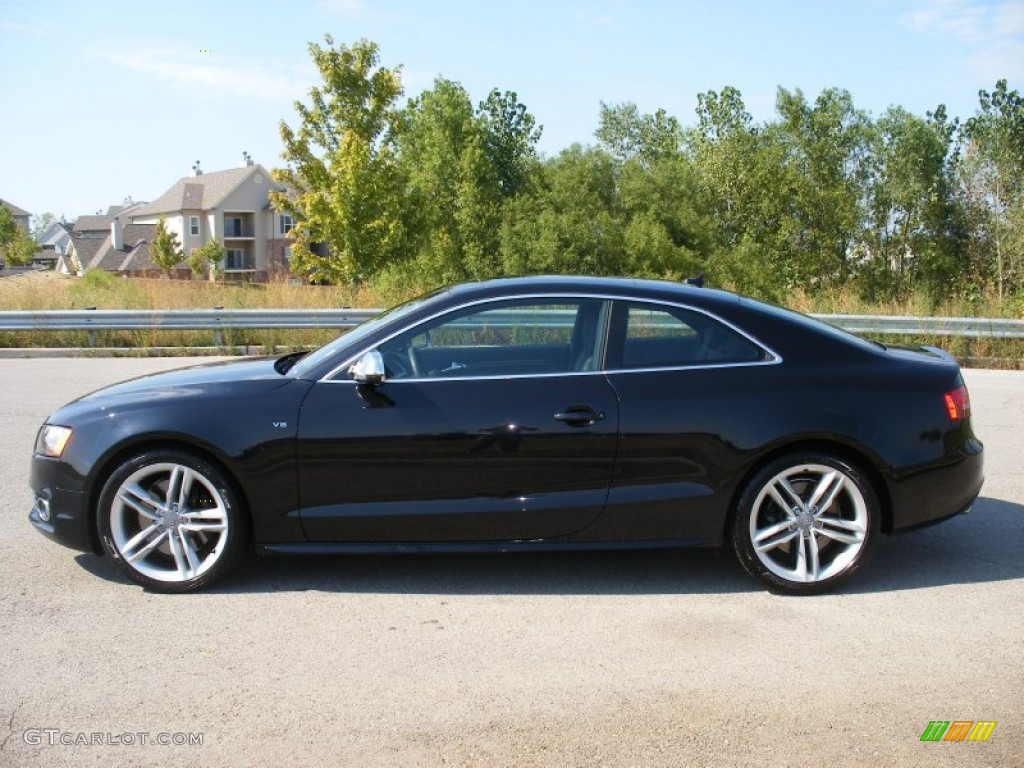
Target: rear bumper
(938,493)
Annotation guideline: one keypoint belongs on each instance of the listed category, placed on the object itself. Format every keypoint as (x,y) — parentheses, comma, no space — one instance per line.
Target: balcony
(237,260)
(239,227)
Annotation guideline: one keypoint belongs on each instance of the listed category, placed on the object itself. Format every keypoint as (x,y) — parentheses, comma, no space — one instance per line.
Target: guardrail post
(92,333)
(218,337)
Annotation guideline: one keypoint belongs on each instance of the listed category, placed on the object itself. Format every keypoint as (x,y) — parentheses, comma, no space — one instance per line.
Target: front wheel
(806,523)
(170,521)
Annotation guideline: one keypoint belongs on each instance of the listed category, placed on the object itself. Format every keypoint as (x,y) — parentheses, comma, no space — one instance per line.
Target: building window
(287,254)
(193,225)
(234,259)
(232,227)
(286,223)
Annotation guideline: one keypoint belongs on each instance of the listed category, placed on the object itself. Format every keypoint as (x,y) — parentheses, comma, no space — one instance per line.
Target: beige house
(232,206)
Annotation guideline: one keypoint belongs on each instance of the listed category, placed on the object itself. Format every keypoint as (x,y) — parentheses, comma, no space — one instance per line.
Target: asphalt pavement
(570,659)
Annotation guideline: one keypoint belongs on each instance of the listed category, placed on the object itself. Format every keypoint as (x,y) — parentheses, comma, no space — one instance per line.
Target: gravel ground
(604,659)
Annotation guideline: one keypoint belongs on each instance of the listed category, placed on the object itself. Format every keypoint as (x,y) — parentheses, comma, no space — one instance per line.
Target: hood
(206,377)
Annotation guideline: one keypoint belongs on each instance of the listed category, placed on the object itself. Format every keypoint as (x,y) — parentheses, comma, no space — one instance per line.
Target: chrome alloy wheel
(809,523)
(169,522)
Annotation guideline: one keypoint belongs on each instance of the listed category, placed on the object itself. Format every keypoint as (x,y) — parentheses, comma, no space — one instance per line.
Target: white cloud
(17,26)
(350,7)
(962,20)
(214,76)
(594,18)
(357,9)
(1009,17)
(990,33)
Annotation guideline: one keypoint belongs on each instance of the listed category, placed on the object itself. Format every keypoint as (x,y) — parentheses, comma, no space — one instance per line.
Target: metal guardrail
(972,327)
(180,319)
(218,320)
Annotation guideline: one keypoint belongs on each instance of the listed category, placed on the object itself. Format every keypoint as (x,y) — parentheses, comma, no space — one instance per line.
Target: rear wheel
(170,521)
(806,523)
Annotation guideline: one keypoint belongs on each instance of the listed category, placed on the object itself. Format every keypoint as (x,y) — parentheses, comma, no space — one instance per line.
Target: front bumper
(58,512)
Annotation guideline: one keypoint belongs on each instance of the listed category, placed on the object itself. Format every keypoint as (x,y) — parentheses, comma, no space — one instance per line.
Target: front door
(494,424)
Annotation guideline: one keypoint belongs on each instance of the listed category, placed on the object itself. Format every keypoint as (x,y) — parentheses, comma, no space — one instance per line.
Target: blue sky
(104,100)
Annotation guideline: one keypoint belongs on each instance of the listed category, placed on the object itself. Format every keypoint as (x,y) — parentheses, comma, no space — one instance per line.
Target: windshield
(354,336)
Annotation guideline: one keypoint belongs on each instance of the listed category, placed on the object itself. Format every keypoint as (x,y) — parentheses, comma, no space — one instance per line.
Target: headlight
(51,440)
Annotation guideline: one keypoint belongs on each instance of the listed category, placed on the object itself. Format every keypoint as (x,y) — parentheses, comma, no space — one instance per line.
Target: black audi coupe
(522,415)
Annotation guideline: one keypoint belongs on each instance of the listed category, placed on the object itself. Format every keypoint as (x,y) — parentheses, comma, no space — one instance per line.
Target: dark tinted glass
(658,336)
(501,338)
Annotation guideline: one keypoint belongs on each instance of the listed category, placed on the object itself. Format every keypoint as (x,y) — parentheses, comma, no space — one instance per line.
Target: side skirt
(419,548)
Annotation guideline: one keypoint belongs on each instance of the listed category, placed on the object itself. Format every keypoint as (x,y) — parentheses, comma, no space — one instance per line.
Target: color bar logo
(958,730)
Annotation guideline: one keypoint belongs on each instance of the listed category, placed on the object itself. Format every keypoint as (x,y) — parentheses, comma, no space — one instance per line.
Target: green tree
(165,251)
(742,191)
(462,165)
(574,223)
(16,246)
(346,189)
(452,202)
(667,235)
(827,147)
(206,257)
(914,237)
(628,135)
(992,174)
(510,136)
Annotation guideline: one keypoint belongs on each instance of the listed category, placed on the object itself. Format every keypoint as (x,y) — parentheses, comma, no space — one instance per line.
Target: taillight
(958,403)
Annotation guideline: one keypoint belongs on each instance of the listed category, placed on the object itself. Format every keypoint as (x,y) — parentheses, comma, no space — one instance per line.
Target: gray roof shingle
(137,238)
(86,248)
(204,192)
(15,210)
(134,255)
(92,223)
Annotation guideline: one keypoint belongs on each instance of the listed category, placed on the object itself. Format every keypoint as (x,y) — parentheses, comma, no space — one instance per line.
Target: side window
(505,338)
(659,336)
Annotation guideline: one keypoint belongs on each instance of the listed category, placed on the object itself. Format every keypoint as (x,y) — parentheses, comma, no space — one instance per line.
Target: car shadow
(593,572)
(983,546)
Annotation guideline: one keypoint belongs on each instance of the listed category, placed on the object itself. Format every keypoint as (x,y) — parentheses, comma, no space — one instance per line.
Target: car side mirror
(369,369)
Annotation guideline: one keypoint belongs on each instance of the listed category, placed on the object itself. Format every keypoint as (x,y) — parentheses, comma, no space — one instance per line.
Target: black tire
(820,537)
(171,521)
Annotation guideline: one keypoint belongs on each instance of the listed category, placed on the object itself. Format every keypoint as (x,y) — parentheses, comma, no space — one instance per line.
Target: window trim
(193,226)
(774,358)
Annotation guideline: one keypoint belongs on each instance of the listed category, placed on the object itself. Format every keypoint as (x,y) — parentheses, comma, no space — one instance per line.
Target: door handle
(579,416)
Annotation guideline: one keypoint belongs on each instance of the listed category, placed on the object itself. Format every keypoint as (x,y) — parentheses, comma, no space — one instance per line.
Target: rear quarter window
(656,336)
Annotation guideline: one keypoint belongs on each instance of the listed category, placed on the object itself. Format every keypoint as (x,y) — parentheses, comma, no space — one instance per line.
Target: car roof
(615,286)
